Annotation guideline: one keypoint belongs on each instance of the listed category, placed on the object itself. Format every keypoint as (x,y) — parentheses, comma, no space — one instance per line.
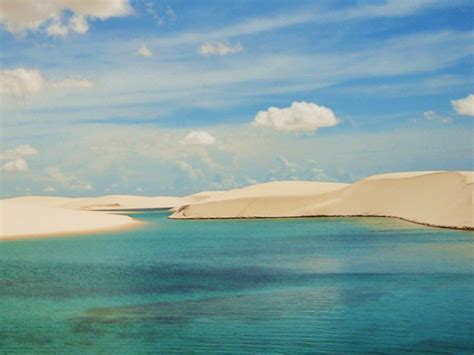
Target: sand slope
(28,217)
(434,198)
(204,195)
(272,199)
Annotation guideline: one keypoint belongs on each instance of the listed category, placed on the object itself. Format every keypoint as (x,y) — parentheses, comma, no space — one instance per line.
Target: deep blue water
(342,285)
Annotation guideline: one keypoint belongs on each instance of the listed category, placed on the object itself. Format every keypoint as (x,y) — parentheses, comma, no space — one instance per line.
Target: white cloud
(18,16)
(187,168)
(18,164)
(15,158)
(199,138)
(49,189)
(123,150)
(286,164)
(430,115)
(290,170)
(170,13)
(299,117)
(433,116)
(77,24)
(22,82)
(144,51)
(275,21)
(464,106)
(285,170)
(19,151)
(160,17)
(318,174)
(219,48)
(68,181)
(57,29)
(185,82)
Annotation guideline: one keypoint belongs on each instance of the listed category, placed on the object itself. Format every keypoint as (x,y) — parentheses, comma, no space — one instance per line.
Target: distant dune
(125,202)
(442,199)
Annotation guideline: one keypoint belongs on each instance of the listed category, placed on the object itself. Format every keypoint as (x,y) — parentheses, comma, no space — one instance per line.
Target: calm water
(296,285)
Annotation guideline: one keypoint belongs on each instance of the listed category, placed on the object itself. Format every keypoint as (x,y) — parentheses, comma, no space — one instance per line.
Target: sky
(174,97)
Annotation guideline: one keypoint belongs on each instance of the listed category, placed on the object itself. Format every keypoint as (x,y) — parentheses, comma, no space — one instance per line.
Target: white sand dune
(204,195)
(28,216)
(40,216)
(48,201)
(442,199)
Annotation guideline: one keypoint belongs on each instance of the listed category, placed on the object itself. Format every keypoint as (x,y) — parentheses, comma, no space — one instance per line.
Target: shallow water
(293,285)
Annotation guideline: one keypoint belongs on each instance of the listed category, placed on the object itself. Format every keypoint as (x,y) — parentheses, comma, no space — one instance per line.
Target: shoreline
(136,224)
(465,229)
(434,199)
(81,233)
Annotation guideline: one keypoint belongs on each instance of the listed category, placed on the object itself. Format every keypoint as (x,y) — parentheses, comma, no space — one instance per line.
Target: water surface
(293,285)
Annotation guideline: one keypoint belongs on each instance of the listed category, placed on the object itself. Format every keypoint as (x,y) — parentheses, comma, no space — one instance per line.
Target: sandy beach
(442,199)
(31,217)
(39,216)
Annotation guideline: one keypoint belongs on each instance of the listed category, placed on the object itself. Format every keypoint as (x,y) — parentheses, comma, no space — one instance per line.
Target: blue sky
(162,97)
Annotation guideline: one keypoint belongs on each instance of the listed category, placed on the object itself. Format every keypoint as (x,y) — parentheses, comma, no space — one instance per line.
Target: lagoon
(282,285)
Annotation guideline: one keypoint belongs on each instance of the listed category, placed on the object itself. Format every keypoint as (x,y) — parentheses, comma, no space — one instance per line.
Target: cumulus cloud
(219,48)
(77,24)
(144,51)
(57,29)
(299,117)
(15,158)
(19,151)
(464,106)
(199,138)
(61,17)
(23,82)
(15,165)
(68,181)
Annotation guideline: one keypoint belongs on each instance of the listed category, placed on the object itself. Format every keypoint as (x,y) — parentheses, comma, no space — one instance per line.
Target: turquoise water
(294,285)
